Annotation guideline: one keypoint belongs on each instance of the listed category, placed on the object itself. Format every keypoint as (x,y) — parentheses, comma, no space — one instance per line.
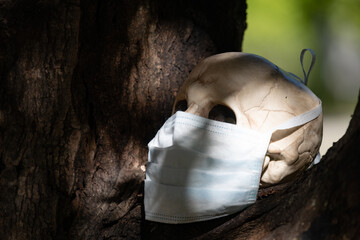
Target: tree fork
(85,85)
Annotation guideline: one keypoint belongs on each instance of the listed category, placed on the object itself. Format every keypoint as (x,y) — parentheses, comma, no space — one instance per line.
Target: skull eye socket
(181,106)
(223,114)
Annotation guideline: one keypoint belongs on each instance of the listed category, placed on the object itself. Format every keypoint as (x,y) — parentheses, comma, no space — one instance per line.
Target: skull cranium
(248,90)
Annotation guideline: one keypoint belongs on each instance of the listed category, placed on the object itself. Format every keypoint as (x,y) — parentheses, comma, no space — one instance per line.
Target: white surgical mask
(200,169)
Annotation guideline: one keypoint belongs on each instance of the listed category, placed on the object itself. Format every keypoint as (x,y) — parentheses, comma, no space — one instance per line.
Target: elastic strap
(313,113)
(313,59)
(300,119)
(306,74)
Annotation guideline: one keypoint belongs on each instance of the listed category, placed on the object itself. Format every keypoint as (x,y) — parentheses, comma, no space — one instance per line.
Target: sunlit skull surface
(248,90)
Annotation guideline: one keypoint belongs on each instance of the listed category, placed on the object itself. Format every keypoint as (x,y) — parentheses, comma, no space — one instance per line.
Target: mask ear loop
(313,59)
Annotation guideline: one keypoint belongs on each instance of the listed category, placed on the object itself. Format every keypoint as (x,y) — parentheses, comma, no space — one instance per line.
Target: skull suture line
(248,90)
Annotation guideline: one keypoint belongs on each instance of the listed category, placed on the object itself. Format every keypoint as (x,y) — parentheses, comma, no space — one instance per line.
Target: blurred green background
(279,30)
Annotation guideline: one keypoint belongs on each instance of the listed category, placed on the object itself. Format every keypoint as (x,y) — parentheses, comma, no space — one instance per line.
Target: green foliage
(279,30)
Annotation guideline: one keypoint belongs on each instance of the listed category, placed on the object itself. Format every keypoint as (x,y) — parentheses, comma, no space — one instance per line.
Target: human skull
(248,90)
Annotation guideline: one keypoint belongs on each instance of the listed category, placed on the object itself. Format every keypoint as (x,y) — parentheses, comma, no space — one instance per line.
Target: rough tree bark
(86,84)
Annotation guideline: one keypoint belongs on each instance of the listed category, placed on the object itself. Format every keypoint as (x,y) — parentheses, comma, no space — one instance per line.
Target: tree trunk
(86,84)
(84,87)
